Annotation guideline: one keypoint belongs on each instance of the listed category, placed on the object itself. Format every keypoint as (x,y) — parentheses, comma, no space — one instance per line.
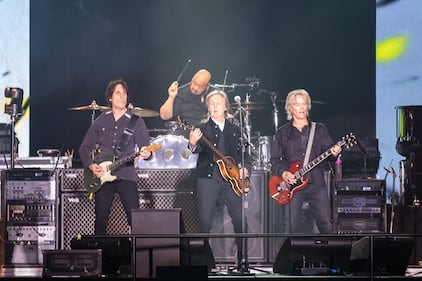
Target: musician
(102,140)
(212,187)
(188,101)
(290,145)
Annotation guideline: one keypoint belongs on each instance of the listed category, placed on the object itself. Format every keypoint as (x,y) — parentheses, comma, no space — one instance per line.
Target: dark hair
(111,86)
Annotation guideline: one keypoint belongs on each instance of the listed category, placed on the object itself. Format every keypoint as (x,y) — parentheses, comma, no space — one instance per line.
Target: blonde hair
(290,99)
(227,114)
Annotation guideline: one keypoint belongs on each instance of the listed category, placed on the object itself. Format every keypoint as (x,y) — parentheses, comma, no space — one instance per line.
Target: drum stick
(184,69)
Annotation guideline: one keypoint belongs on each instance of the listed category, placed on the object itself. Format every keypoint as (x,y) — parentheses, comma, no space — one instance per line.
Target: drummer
(188,100)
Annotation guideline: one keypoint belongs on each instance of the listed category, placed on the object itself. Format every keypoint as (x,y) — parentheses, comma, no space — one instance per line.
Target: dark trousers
(319,208)
(129,197)
(209,191)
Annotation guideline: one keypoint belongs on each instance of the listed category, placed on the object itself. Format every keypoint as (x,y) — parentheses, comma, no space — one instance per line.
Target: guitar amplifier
(359,206)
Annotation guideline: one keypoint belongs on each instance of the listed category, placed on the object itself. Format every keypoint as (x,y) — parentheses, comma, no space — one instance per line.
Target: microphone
(238,99)
(265,92)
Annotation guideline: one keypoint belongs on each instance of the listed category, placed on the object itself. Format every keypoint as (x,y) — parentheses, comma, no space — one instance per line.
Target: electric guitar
(93,183)
(283,192)
(226,164)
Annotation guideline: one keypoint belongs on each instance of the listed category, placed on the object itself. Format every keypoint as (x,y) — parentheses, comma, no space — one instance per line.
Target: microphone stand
(244,268)
(243,248)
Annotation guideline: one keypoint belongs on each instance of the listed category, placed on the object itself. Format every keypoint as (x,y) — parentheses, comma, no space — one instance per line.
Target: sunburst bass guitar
(93,183)
(226,164)
(283,192)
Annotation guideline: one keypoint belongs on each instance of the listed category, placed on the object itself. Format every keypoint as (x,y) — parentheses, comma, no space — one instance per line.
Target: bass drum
(174,154)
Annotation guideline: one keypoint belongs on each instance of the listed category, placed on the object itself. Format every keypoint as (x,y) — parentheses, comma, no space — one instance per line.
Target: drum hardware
(173,126)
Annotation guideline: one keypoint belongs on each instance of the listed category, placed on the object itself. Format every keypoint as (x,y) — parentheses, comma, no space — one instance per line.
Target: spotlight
(15,106)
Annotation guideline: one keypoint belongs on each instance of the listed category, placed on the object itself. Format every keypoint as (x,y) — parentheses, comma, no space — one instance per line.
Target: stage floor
(222,272)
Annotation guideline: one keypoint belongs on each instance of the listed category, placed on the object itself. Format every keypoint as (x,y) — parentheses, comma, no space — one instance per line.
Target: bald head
(200,82)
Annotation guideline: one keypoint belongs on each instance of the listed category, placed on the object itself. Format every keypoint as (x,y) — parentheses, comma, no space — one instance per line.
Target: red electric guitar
(283,193)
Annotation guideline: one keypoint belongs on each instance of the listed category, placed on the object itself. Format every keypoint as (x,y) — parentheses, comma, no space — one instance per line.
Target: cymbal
(250,105)
(92,106)
(142,112)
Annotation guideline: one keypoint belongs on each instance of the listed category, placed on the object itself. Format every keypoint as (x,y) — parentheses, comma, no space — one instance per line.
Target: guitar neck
(214,149)
(307,168)
(116,164)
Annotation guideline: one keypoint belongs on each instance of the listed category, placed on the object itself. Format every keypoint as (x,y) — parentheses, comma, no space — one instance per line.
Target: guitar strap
(124,139)
(310,141)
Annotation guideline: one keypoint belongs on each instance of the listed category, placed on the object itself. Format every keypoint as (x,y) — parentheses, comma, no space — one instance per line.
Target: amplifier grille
(72,180)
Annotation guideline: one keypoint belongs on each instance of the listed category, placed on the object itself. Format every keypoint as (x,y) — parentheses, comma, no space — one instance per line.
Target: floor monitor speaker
(155,250)
(390,256)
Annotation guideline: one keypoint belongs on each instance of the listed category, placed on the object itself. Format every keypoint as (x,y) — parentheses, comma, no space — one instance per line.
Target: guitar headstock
(349,140)
(184,124)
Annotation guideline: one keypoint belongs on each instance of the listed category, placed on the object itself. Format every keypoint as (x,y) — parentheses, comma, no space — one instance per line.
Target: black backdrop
(77,46)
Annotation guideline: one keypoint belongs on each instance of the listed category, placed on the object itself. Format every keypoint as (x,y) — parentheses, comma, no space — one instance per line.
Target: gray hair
(227,114)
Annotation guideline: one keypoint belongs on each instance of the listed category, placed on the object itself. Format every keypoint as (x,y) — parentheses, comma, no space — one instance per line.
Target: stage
(221,273)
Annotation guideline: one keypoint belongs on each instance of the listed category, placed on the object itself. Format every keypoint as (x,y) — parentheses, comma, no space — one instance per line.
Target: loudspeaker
(408,219)
(183,200)
(78,217)
(116,252)
(166,180)
(390,255)
(313,256)
(197,252)
(156,251)
(73,263)
(224,249)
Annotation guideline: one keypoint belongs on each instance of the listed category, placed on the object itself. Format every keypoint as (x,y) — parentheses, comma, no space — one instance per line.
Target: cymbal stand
(275,112)
(94,105)
(248,124)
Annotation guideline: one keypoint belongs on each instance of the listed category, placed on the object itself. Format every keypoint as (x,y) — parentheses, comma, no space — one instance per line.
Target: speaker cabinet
(224,249)
(313,255)
(156,251)
(390,255)
(72,263)
(78,217)
(408,219)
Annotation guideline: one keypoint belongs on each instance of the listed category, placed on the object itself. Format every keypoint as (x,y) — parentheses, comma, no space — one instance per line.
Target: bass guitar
(226,164)
(283,192)
(93,183)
